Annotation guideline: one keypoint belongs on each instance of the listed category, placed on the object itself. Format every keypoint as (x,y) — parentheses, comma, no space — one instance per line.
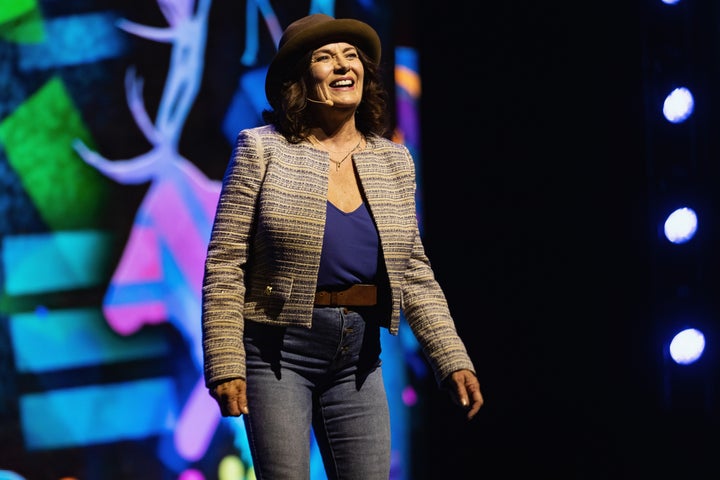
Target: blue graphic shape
(8,475)
(75,40)
(84,416)
(322,6)
(395,377)
(247,104)
(49,262)
(252,29)
(63,339)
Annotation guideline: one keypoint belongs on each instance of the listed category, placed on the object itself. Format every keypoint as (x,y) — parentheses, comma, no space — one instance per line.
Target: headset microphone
(327,102)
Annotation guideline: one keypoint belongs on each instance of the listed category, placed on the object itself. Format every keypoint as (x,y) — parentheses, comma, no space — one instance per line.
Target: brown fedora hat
(311,32)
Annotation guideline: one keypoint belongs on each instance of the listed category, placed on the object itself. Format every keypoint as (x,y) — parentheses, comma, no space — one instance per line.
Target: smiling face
(337,74)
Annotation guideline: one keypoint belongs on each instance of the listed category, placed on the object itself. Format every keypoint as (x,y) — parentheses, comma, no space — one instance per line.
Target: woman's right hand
(230,396)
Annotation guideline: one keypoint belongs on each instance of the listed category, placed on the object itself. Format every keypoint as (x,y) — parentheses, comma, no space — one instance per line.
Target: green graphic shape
(37,137)
(21,21)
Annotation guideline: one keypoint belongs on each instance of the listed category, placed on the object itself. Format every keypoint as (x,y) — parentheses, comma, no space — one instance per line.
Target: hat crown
(304,23)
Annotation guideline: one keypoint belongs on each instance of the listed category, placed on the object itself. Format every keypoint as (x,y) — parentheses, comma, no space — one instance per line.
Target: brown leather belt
(359,295)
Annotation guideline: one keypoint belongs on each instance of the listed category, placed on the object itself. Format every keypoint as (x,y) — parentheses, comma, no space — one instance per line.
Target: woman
(315,247)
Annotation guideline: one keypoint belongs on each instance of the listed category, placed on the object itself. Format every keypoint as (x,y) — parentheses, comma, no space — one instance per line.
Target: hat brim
(348,30)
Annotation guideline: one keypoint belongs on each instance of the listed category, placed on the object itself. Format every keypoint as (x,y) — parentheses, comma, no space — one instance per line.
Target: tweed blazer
(263,255)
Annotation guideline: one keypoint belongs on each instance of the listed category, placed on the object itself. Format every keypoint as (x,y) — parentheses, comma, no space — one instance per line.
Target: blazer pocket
(270,296)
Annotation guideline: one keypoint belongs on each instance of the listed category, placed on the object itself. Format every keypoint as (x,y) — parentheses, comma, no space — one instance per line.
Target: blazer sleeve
(428,315)
(223,289)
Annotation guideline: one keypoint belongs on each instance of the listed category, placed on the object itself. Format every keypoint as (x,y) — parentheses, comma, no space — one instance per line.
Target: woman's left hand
(464,389)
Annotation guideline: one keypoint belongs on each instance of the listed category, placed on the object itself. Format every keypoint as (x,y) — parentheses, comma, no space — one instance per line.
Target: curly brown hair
(292,119)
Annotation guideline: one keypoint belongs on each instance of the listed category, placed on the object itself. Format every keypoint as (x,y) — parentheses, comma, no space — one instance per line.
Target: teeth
(342,83)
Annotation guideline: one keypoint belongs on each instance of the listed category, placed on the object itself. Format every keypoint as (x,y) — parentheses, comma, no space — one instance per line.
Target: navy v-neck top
(350,248)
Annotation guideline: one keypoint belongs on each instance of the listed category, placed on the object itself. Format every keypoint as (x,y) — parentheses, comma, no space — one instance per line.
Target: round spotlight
(678,105)
(681,225)
(687,346)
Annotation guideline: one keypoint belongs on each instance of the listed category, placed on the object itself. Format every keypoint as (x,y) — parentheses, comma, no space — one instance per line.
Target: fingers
(476,401)
(465,391)
(231,398)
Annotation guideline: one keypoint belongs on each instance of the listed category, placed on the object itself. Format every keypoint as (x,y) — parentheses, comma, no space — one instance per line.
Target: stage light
(678,105)
(687,346)
(681,225)
(680,52)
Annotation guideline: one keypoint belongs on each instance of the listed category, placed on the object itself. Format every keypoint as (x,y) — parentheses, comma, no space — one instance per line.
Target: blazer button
(268,290)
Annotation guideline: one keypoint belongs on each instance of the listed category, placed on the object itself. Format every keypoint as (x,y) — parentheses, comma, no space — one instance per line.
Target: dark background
(539,224)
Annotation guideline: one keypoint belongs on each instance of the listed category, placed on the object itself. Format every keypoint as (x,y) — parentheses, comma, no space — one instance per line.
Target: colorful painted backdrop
(116,122)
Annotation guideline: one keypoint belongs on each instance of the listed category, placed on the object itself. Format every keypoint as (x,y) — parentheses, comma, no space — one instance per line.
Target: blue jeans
(328,377)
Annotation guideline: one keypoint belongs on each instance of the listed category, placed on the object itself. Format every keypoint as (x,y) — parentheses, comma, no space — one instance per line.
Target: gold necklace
(337,163)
